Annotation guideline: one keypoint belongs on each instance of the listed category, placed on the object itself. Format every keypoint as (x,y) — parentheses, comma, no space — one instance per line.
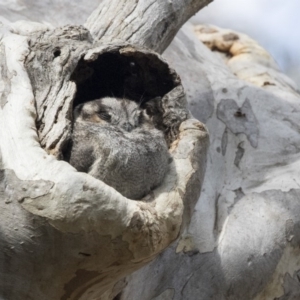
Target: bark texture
(64,234)
(151,24)
(243,241)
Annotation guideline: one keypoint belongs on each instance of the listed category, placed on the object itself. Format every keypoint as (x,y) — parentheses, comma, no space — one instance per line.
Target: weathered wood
(150,24)
(243,241)
(66,69)
(95,235)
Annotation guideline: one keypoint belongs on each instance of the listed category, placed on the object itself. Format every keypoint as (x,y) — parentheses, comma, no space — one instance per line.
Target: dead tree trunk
(64,234)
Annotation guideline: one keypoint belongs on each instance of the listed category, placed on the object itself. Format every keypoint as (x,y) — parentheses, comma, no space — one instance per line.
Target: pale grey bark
(151,24)
(64,234)
(243,241)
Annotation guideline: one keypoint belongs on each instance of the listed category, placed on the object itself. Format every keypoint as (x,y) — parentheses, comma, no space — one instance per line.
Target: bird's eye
(104,116)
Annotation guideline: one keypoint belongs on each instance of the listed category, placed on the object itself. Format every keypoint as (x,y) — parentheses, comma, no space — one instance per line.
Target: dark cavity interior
(135,76)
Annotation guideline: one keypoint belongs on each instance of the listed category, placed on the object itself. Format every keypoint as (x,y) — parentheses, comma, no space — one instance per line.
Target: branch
(151,24)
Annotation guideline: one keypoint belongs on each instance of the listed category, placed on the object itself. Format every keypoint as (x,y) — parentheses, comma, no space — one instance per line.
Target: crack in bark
(45,133)
(133,10)
(129,23)
(123,21)
(150,40)
(105,30)
(147,8)
(216,223)
(135,31)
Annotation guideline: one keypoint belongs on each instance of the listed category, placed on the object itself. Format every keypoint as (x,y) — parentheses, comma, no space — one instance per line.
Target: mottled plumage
(115,141)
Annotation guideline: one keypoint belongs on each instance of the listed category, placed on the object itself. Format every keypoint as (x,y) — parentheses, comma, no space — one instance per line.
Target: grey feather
(115,141)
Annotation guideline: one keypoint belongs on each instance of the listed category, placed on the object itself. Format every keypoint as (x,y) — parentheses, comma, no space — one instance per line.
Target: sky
(275,24)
